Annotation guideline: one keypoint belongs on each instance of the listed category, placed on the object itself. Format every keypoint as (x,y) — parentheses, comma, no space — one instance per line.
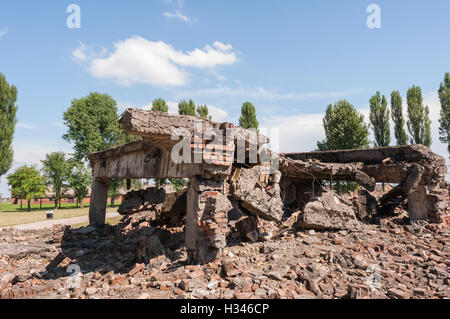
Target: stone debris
(259,192)
(327,211)
(395,259)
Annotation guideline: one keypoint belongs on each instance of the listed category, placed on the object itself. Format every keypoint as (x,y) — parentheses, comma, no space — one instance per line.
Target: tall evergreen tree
(160,104)
(186,108)
(8,110)
(379,118)
(203,112)
(248,116)
(444,120)
(397,117)
(418,117)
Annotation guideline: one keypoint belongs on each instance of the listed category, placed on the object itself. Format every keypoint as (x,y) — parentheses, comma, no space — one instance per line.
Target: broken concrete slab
(328,212)
(260,198)
(21,250)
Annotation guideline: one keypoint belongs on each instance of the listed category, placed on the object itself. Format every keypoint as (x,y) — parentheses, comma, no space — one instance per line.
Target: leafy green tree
(344,129)
(26,183)
(92,125)
(160,104)
(397,117)
(186,108)
(203,112)
(248,116)
(418,118)
(79,179)
(8,110)
(379,118)
(179,183)
(56,169)
(444,120)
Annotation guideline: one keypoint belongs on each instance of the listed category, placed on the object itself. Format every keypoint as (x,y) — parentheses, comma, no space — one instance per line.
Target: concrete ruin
(220,166)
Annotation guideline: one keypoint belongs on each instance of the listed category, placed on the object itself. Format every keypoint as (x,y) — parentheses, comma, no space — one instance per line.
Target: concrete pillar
(418,204)
(99,198)
(206,219)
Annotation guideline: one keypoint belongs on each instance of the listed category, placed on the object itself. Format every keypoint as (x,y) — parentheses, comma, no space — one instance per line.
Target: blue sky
(290,58)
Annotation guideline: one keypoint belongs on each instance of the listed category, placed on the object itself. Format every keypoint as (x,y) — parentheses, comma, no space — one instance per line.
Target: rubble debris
(365,204)
(419,172)
(256,194)
(260,187)
(389,261)
(56,261)
(155,206)
(327,211)
(140,200)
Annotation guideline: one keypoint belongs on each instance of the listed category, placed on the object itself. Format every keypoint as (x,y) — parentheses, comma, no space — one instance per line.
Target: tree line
(59,172)
(92,126)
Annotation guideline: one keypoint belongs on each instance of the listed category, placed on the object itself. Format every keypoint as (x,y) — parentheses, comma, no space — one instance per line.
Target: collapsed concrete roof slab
(385,164)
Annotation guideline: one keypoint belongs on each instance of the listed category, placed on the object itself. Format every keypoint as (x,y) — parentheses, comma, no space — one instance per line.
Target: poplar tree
(397,117)
(203,112)
(248,116)
(186,108)
(379,118)
(419,123)
(160,104)
(8,110)
(444,120)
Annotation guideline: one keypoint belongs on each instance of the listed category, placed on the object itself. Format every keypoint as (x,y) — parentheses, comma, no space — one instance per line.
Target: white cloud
(25,126)
(218,114)
(79,54)
(222,47)
(262,93)
(138,60)
(83,54)
(3,32)
(177,15)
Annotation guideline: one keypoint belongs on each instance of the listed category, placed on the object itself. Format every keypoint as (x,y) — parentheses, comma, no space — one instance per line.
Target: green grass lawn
(8,207)
(11,215)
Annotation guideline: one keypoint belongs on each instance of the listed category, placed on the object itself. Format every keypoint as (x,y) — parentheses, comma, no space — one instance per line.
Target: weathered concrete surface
(328,212)
(419,172)
(259,197)
(141,159)
(311,169)
(21,250)
(385,164)
(144,199)
(97,208)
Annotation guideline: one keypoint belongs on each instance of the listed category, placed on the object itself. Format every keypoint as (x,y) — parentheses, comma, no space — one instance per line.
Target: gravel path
(49,223)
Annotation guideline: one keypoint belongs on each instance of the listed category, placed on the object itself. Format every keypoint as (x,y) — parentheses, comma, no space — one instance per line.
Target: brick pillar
(206,219)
